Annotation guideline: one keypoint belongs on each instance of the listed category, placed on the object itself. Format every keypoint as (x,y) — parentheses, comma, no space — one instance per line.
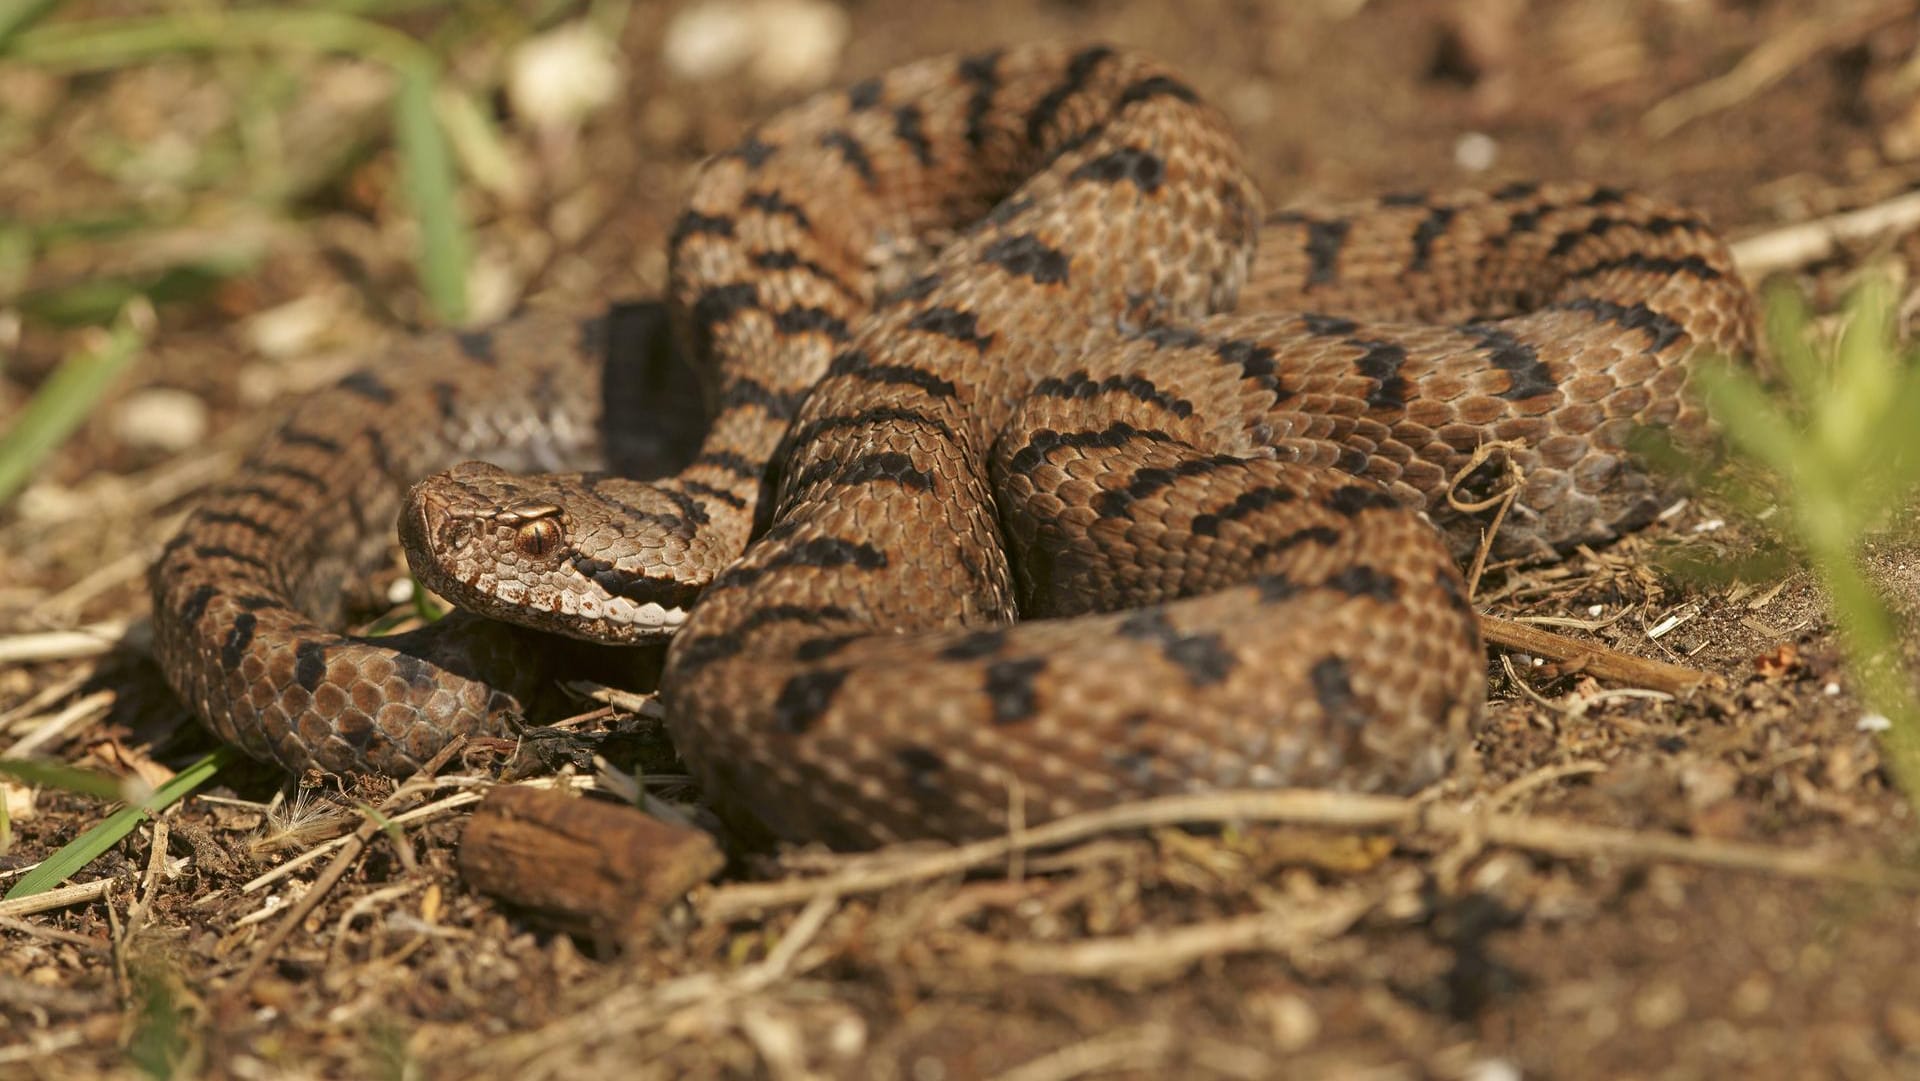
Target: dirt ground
(1613,942)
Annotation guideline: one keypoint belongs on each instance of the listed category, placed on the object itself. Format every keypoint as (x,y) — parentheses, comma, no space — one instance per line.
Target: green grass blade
(17,15)
(88,847)
(432,191)
(59,407)
(56,775)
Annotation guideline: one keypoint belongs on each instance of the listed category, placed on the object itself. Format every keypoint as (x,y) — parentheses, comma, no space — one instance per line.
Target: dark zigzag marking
(368,384)
(981,71)
(1118,502)
(261,493)
(1251,501)
(1529,376)
(887,465)
(235,518)
(1079,70)
(886,414)
(1026,257)
(709,648)
(1430,229)
(1046,440)
(1664,330)
(771,203)
(220,551)
(1692,266)
(804,698)
(1079,386)
(196,603)
(952,323)
(296,437)
(852,153)
(908,128)
(1143,169)
(1381,363)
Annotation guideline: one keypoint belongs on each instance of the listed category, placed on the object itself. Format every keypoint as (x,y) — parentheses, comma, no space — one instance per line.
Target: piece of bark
(601,870)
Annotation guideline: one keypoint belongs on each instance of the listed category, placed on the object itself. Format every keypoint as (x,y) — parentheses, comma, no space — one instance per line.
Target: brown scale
(1049,416)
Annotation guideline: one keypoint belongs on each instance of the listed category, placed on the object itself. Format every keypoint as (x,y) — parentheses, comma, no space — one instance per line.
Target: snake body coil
(1093,406)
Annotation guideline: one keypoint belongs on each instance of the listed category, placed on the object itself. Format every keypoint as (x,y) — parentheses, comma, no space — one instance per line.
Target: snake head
(584,555)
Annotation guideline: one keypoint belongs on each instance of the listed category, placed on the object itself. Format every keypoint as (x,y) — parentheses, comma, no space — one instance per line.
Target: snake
(1044,470)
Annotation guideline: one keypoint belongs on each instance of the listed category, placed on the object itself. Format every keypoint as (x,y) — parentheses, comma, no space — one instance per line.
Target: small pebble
(1873,722)
(160,418)
(780,44)
(1475,152)
(559,78)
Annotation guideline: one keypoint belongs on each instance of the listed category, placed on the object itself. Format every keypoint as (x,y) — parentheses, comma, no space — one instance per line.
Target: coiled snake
(1208,521)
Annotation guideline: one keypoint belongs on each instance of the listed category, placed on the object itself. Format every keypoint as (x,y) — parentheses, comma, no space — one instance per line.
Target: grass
(1835,449)
(240,170)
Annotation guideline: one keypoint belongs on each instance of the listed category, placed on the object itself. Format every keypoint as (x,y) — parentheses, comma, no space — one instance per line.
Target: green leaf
(62,403)
(57,775)
(426,168)
(87,847)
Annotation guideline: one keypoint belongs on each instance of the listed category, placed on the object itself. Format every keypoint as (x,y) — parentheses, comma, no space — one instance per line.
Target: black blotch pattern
(771,202)
(1118,502)
(1528,375)
(1333,689)
(1636,316)
(1325,239)
(1156,86)
(1327,326)
(1079,386)
(881,466)
(805,697)
(242,521)
(1010,689)
(196,604)
(863,95)
(975,645)
(983,72)
(238,639)
(922,765)
(221,551)
(811,321)
(1255,361)
(961,326)
(753,151)
(1046,440)
(368,385)
(1430,229)
(852,153)
(1381,363)
(1251,501)
(477,346)
(1027,257)
(1079,69)
(309,664)
(1313,534)
(1353,499)
(1143,169)
(908,128)
(692,222)
(1365,581)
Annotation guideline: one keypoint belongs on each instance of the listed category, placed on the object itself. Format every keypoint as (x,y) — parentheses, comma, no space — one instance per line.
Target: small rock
(160,418)
(1475,152)
(782,45)
(559,78)
(1660,1006)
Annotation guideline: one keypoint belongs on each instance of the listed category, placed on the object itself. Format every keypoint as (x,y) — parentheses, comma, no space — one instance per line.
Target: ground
(268,227)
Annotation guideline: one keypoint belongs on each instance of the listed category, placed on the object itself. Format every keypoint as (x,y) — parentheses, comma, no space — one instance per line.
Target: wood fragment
(1806,242)
(602,870)
(1591,658)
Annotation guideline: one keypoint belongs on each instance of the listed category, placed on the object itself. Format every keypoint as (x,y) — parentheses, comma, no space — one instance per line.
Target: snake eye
(538,537)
